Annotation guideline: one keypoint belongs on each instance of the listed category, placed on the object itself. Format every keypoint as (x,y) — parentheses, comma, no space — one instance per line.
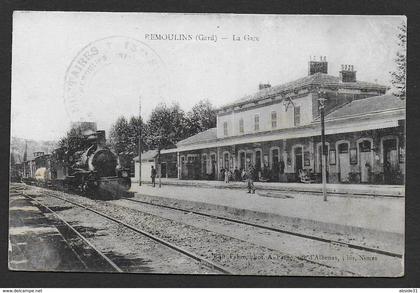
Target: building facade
(277,130)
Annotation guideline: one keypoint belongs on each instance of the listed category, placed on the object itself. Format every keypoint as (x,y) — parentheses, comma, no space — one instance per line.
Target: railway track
(80,236)
(157,239)
(282,244)
(268,228)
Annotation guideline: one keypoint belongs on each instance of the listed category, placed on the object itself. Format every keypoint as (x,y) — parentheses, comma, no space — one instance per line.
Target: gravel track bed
(240,256)
(363,239)
(131,251)
(342,258)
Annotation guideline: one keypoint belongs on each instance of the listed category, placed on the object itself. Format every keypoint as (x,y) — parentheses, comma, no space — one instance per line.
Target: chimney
(264,86)
(317,66)
(347,73)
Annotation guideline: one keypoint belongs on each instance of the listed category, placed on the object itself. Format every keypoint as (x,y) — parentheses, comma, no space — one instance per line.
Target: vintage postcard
(208,144)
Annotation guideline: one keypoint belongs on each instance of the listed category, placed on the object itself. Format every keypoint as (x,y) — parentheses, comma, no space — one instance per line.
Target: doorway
(163,170)
(365,161)
(213,166)
(298,160)
(242,161)
(344,161)
(274,157)
(390,153)
(249,160)
(258,160)
(226,161)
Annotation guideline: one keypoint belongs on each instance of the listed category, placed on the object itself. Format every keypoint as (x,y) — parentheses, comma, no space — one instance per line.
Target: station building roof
(206,135)
(317,79)
(146,156)
(367,106)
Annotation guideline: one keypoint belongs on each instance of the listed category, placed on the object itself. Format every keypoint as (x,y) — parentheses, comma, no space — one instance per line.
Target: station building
(278,130)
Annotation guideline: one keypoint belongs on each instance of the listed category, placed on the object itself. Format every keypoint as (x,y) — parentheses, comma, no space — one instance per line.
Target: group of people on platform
(252,174)
(249,175)
(257,173)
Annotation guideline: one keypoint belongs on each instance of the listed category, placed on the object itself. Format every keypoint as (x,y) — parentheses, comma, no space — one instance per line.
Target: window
(297,116)
(256,122)
(241,125)
(274,119)
(191,158)
(225,128)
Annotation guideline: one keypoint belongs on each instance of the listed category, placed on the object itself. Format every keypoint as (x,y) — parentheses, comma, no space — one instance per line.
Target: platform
(35,243)
(334,189)
(375,213)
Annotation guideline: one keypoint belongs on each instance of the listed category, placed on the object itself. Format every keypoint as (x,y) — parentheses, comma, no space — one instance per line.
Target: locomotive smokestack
(100,138)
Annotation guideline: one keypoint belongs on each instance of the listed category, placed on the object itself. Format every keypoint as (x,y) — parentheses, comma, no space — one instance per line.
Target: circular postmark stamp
(117,51)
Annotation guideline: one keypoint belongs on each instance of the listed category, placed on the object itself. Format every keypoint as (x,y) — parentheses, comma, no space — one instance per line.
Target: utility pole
(321,101)
(160,169)
(140,132)
(25,158)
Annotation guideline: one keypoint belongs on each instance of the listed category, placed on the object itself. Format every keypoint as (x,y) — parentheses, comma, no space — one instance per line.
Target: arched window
(365,146)
(343,148)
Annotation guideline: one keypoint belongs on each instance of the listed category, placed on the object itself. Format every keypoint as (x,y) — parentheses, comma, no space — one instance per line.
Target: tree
(12,159)
(25,154)
(166,126)
(136,128)
(124,139)
(398,76)
(73,141)
(201,117)
(119,135)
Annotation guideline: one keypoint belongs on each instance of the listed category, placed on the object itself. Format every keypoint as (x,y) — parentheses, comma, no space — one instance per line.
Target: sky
(47,47)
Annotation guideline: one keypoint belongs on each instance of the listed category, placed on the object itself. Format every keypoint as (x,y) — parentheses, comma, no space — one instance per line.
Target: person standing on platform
(250,178)
(237,174)
(369,172)
(227,175)
(387,173)
(282,176)
(153,175)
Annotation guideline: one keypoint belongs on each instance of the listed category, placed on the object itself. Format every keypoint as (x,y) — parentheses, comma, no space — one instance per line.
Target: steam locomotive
(92,170)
